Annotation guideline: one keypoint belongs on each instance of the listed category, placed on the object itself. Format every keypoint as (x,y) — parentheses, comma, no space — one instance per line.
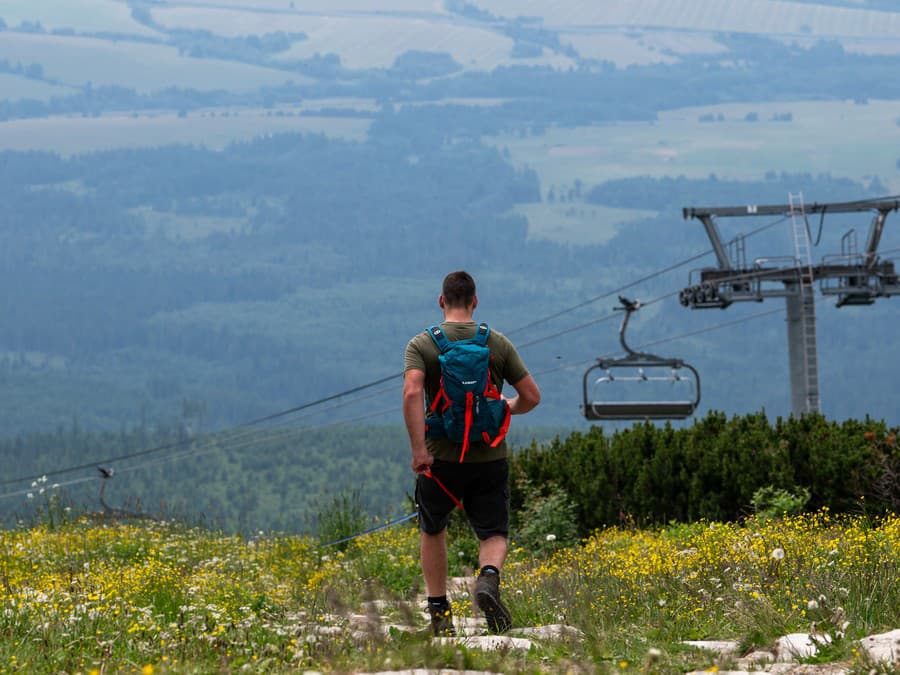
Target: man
(480,482)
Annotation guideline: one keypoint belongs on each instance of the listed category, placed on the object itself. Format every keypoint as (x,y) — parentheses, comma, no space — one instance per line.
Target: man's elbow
(412,395)
(529,395)
(412,392)
(532,399)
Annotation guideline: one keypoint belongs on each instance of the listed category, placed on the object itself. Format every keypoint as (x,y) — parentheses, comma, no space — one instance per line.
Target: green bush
(340,516)
(547,522)
(713,470)
(770,503)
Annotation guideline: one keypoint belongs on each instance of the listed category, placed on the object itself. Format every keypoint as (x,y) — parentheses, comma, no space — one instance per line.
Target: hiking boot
(487,597)
(441,620)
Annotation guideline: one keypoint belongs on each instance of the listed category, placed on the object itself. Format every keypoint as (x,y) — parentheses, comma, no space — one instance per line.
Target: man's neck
(458,315)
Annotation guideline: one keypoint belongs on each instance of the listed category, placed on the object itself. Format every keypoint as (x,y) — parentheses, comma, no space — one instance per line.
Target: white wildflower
(777,554)
(551,537)
(812,605)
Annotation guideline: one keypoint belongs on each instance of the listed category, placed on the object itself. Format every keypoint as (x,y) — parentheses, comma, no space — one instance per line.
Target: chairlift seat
(642,362)
(856,299)
(630,410)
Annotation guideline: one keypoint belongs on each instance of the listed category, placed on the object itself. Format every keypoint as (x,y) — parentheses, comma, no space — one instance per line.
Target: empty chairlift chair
(608,382)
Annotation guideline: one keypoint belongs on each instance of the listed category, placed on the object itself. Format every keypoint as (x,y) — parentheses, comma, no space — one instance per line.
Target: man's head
(458,291)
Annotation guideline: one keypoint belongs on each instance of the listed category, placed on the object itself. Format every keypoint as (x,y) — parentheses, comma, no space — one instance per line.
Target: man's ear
(474,302)
(441,301)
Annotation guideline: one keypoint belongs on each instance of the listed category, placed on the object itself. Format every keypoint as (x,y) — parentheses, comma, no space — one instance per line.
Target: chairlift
(632,371)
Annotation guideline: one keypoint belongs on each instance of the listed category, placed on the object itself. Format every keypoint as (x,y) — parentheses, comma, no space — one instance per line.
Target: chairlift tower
(854,278)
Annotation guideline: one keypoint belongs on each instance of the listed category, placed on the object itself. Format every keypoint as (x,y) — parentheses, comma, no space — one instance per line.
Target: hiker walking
(457,439)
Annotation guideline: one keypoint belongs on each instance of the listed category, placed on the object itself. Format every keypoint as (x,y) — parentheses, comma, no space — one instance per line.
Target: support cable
(383,380)
(196,452)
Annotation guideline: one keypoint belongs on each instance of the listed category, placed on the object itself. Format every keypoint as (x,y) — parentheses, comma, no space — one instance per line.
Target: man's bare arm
(414,417)
(527,396)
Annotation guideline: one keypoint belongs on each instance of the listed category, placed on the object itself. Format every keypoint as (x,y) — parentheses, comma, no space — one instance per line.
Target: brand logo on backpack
(468,406)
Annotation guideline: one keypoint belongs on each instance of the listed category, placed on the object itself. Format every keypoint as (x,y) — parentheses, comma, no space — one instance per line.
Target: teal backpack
(468,406)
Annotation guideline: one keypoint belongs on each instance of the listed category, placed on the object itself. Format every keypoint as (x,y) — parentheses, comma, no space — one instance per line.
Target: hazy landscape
(219,211)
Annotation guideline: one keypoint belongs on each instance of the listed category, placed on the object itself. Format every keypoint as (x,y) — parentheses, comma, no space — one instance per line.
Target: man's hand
(421,461)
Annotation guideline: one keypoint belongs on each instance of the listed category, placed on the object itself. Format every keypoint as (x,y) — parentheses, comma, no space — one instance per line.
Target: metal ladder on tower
(807,302)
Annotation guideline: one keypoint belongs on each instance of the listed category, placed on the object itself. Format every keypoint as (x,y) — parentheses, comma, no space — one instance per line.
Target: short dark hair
(458,289)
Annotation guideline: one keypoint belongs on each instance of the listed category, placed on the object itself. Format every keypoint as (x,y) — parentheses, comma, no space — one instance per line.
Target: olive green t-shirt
(506,366)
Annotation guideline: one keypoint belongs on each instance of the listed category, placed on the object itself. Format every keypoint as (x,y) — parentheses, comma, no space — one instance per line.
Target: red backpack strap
(470,404)
(501,433)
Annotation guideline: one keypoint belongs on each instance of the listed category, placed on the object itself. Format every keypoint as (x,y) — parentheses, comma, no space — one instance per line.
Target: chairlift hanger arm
(874,237)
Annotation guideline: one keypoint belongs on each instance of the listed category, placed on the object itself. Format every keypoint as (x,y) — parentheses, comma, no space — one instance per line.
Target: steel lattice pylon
(854,278)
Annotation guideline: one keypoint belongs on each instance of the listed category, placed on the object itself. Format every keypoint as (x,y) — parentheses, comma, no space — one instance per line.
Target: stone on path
(717,646)
(425,671)
(556,631)
(883,647)
(488,642)
(796,646)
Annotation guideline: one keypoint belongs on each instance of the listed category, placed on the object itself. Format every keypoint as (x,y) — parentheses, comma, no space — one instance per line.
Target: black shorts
(483,489)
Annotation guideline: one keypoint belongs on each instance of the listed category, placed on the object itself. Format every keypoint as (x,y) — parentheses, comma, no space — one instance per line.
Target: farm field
(323,6)
(84,16)
(577,223)
(74,135)
(840,138)
(640,48)
(774,17)
(361,42)
(145,67)
(16,87)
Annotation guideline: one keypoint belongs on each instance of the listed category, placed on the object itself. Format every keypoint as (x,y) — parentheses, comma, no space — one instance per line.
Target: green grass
(74,134)
(90,595)
(840,138)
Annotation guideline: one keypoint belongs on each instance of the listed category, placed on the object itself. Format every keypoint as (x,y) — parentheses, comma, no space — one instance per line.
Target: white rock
(327,630)
(807,669)
(488,642)
(755,658)
(883,647)
(795,646)
(556,631)
(469,625)
(718,646)
(425,671)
